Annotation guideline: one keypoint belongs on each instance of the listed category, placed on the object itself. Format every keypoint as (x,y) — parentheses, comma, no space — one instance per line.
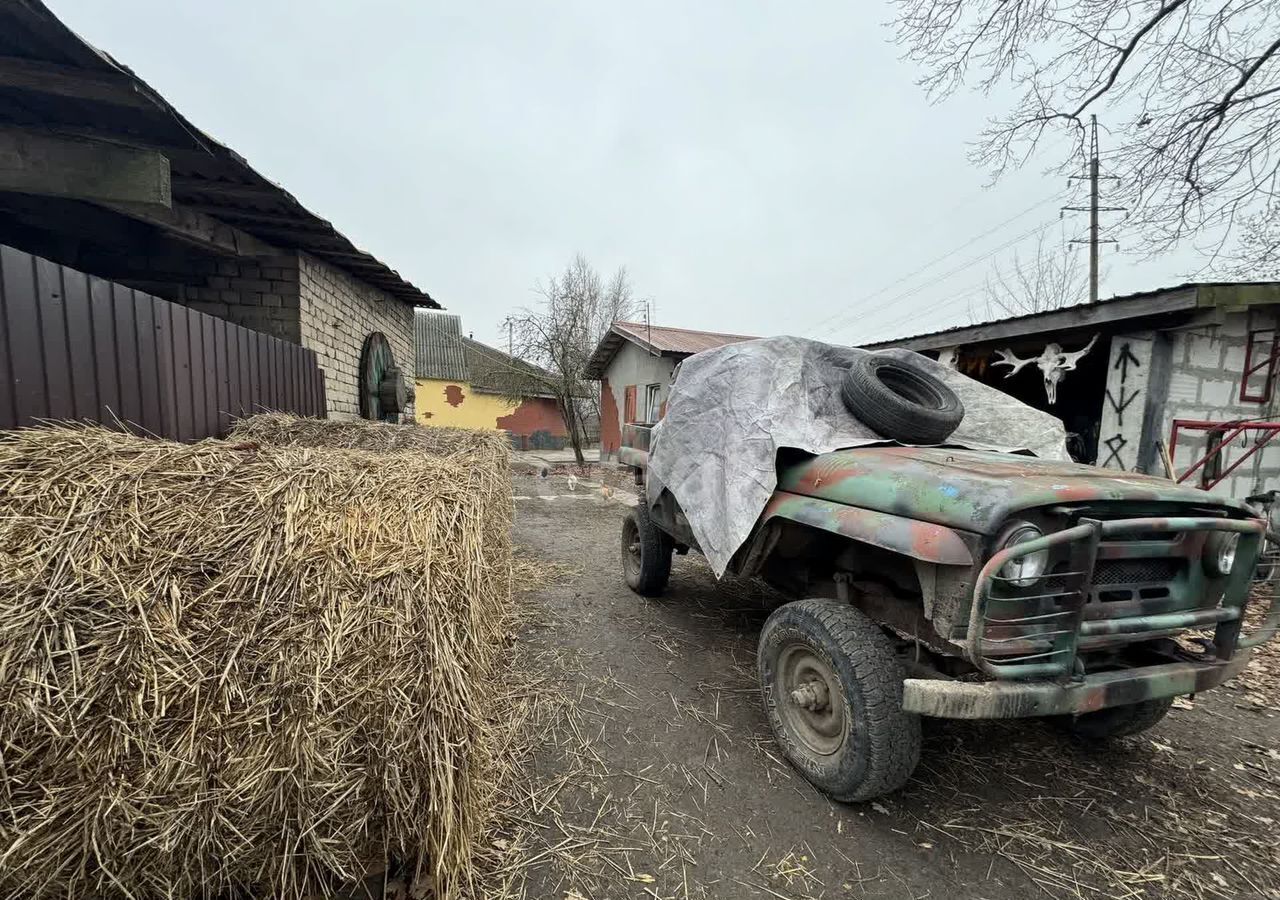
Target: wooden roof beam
(68,81)
(185,184)
(198,230)
(33,162)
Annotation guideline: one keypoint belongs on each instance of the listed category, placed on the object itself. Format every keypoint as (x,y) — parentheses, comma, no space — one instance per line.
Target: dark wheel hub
(631,546)
(813,707)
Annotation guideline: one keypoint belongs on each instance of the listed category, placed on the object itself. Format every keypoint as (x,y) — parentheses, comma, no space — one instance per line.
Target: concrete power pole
(1093,210)
(1094,240)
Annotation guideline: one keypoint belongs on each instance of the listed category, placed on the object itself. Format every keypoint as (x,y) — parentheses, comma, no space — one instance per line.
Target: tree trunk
(569,413)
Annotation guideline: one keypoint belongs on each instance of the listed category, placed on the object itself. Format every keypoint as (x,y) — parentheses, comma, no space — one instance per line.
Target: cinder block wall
(261,294)
(336,312)
(1204,383)
(1204,366)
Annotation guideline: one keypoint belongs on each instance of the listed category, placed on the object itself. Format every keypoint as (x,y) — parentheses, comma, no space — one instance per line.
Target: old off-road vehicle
(930,581)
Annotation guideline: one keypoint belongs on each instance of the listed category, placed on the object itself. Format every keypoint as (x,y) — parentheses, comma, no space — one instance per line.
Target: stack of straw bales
(239,666)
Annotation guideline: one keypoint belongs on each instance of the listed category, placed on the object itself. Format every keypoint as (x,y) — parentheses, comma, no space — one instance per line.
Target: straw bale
(281,429)
(241,667)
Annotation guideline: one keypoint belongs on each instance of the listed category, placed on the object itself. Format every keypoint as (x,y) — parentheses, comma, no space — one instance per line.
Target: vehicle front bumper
(1019,699)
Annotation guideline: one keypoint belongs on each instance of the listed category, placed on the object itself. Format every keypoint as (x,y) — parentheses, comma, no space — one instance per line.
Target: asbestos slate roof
(438,350)
(657,339)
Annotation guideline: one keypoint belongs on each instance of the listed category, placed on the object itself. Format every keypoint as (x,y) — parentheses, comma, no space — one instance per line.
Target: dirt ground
(652,772)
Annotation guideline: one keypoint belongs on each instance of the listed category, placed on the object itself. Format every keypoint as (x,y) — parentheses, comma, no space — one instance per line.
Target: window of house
(651,402)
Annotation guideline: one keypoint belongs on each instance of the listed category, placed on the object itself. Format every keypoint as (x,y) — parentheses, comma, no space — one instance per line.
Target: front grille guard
(1043,644)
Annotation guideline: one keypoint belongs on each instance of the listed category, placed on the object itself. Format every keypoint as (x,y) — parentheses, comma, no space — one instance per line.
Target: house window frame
(652,402)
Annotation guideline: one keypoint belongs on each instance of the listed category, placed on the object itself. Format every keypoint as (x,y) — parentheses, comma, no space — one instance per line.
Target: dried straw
(279,429)
(230,669)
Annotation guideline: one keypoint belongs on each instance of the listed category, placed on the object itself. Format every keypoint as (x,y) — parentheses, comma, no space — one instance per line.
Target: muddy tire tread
(893,736)
(655,555)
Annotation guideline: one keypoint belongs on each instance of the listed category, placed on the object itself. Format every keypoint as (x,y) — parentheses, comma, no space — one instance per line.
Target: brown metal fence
(73,346)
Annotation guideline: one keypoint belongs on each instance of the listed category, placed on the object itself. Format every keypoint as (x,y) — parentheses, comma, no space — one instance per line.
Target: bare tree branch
(560,335)
(1189,90)
(1050,279)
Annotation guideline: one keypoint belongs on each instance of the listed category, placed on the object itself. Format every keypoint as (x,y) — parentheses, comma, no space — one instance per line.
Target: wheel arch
(912,538)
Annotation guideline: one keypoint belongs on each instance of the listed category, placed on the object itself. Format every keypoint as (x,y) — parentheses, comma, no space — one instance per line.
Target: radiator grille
(1135,571)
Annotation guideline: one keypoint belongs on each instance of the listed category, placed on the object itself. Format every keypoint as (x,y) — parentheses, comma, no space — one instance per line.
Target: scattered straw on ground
(255,669)
(529,573)
(1146,820)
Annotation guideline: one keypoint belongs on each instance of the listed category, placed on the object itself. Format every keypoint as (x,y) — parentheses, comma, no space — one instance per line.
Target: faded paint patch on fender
(910,537)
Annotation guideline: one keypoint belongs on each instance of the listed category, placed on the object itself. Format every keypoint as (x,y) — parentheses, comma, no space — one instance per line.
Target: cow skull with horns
(1054,363)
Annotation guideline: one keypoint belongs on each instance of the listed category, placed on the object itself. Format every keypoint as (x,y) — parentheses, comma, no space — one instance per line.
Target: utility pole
(510,323)
(1093,209)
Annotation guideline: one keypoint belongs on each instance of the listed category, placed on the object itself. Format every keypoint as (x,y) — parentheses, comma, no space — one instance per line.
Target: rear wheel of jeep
(832,689)
(646,553)
(1115,721)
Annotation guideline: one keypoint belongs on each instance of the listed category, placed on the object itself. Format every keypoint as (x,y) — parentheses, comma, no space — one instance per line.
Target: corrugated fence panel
(73,346)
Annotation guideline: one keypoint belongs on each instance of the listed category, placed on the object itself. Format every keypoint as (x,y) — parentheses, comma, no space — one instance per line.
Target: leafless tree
(1050,279)
(560,334)
(1257,256)
(1191,91)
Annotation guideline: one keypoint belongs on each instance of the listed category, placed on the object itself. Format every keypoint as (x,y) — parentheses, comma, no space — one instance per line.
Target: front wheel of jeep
(832,688)
(1114,721)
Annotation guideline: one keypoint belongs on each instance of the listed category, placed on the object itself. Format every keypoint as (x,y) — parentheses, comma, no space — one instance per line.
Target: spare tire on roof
(900,400)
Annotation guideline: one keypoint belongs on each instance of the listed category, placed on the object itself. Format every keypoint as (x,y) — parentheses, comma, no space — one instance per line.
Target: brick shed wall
(336,313)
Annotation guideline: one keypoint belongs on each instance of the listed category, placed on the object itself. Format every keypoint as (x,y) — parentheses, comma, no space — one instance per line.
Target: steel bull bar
(1045,677)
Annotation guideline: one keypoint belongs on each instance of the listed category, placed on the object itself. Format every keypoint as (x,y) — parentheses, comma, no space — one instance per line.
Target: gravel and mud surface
(652,772)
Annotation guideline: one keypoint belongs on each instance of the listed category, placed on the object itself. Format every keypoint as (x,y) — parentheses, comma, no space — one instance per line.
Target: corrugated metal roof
(438,348)
(1177,298)
(207,177)
(659,339)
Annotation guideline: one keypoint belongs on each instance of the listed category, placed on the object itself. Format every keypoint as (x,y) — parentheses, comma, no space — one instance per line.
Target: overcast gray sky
(759,168)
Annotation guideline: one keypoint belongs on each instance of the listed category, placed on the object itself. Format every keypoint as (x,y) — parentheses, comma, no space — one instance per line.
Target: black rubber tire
(901,401)
(1115,721)
(648,570)
(881,746)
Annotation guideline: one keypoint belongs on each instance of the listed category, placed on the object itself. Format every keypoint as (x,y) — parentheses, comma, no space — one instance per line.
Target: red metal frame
(1234,429)
(1251,368)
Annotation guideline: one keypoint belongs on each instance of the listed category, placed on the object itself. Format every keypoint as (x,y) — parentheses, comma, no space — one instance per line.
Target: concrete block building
(635,364)
(1189,371)
(99,173)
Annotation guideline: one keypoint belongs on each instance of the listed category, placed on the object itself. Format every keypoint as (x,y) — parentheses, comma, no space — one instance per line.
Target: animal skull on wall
(1053,364)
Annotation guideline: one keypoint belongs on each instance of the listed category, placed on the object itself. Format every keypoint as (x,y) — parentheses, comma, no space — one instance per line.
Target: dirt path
(657,776)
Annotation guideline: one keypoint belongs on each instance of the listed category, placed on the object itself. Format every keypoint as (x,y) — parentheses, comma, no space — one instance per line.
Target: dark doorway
(1080,392)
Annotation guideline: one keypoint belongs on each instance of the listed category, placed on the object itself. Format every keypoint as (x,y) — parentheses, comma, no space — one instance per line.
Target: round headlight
(1022,571)
(1220,552)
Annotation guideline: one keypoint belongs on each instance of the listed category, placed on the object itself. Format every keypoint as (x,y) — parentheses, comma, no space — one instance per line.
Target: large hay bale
(281,429)
(253,668)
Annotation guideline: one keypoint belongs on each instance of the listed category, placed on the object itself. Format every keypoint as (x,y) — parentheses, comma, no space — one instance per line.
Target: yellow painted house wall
(432,406)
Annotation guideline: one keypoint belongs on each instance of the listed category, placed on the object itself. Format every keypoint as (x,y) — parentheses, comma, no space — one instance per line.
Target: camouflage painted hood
(972,490)
(732,408)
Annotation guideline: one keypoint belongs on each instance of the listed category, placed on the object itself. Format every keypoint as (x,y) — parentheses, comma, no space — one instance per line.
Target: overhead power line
(960,268)
(862,301)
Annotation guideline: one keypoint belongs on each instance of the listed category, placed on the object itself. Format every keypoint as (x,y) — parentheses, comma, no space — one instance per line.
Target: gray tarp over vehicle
(733,407)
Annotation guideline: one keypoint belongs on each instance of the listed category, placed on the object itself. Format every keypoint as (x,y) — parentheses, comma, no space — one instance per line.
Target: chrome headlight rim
(1022,571)
(1220,553)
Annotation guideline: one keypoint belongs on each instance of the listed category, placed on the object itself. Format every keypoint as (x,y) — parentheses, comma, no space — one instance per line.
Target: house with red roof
(635,363)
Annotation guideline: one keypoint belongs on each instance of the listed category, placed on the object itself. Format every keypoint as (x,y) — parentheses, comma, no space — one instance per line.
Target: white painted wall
(632,365)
